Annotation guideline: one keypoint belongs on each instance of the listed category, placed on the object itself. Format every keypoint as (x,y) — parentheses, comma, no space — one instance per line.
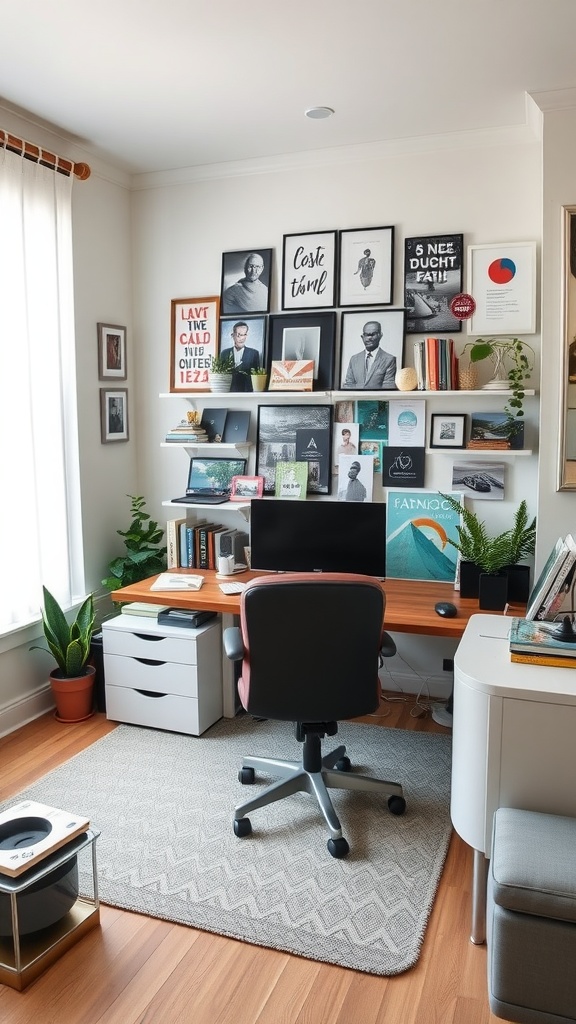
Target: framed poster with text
(193,342)
(502,281)
(432,278)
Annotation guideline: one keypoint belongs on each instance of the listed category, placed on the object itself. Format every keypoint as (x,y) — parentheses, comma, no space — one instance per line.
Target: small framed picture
(113,415)
(309,270)
(193,342)
(111,352)
(371,349)
(366,267)
(246,487)
(296,336)
(447,430)
(245,285)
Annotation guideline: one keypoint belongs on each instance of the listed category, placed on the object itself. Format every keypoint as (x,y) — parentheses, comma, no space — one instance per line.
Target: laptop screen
(213,476)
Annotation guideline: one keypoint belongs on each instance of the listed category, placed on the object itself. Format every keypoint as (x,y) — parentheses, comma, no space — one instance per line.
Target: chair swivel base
(294,778)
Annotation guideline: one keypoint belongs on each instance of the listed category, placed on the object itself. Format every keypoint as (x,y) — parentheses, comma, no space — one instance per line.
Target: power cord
(421,705)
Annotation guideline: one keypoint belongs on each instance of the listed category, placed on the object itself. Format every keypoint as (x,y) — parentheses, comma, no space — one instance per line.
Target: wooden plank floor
(137,970)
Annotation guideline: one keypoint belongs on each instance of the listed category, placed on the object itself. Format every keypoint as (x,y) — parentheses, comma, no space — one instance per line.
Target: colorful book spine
(173,543)
(553,660)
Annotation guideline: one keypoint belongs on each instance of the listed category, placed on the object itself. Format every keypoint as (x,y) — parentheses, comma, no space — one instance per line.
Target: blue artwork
(419,525)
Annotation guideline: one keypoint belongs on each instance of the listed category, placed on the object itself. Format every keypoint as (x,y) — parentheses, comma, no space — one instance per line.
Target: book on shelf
(142,608)
(552,660)
(558,568)
(176,581)
(530,637)
(435,364)
(173,543)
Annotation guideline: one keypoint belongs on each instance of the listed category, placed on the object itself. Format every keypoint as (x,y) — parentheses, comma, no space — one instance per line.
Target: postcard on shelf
(372,418)
(291,480)
(177,581)
(407,423)
(344,441)
(539,638)
(491,430)
(355,477)
(291,375)
(419,526)
(481,480)
(373,448)
(402,467)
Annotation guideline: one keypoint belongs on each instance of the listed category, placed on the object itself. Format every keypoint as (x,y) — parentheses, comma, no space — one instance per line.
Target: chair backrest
(311,646)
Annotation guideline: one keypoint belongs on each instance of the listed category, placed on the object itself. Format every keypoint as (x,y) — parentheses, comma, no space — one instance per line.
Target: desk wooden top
(409,603)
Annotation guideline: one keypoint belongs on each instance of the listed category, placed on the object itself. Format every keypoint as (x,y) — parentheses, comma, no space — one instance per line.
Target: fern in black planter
(145,556)
(481,553)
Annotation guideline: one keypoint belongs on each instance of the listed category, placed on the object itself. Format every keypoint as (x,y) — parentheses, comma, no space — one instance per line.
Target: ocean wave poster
(419,525)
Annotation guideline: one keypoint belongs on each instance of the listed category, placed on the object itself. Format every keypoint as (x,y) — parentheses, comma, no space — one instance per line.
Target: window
(40,523)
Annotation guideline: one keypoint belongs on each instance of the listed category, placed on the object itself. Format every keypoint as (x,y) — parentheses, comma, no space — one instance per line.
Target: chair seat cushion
(533,865)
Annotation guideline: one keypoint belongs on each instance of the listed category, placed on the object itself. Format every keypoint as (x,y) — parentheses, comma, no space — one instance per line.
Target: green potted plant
(512,362)
(220,373)
(494,557)
(258,375)
(72,681)
(145,556)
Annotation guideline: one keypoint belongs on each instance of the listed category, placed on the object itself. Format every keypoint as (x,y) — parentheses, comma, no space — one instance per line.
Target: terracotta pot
(74,698)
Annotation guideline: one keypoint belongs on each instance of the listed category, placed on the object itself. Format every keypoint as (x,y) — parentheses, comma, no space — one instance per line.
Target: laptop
(210,481)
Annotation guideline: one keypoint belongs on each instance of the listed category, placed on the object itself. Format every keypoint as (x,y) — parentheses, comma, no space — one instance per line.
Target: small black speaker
(226,545)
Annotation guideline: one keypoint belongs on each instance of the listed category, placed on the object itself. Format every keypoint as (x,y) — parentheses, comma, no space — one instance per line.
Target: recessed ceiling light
(317,113)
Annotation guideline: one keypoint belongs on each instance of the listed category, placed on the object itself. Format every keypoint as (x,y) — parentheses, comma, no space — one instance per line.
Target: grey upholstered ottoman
(531,917)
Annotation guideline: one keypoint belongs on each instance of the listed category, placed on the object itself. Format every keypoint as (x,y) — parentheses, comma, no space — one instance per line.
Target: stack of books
(554,582)
(200,545)
(436,364)
(533,643)
(187,433)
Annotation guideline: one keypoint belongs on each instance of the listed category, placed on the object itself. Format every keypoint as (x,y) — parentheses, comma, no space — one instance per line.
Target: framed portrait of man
(246,276)
(371,349)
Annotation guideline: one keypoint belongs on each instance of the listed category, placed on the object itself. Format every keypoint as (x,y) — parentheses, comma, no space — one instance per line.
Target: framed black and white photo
(243,338)
(113,415)
(296,336)
(309,264)
(295,433)
(366,267)
(371,349)
(447,430)
(246,277)
(432,278)
(483,480)
(111,352)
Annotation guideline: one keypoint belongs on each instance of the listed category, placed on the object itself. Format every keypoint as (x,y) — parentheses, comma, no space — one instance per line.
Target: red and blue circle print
(502,271)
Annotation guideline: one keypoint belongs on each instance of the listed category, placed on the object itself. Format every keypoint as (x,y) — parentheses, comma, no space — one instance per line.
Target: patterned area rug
(164,804)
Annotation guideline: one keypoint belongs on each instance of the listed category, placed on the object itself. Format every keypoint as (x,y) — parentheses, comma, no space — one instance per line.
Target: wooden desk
(409,603)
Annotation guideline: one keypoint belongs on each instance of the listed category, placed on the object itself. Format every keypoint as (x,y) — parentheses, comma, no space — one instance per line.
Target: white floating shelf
(480,453)
(212,448)
(336,396)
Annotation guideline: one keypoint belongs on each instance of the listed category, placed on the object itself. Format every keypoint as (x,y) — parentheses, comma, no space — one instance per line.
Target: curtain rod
(31,151)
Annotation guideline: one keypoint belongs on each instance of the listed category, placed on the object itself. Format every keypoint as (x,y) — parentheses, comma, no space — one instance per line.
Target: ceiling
(154,85)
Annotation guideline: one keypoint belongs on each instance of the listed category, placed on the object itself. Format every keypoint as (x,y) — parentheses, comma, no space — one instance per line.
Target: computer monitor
(318,536)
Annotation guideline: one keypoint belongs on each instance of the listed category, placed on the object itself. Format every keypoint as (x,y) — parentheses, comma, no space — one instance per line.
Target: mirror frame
(567,453)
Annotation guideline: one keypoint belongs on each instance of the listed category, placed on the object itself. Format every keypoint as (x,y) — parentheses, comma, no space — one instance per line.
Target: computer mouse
(446,609)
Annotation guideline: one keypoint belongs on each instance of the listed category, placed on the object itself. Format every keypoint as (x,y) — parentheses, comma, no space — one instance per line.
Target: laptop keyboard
(205,499)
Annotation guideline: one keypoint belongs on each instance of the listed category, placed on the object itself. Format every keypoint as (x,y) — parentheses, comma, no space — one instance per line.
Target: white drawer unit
(165,677)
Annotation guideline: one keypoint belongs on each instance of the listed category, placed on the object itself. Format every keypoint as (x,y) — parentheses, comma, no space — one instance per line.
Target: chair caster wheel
(242,827)
(396,804)
(246,776)
(338,847)
(343,764)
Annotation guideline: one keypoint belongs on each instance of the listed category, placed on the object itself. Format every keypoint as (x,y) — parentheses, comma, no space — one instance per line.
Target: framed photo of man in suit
(371,349)
(244,339)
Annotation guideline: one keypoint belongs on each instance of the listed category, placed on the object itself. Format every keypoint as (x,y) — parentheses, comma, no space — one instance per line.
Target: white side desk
(513,742)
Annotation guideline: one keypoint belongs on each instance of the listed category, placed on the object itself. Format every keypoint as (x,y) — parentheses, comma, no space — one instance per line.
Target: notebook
(210,480)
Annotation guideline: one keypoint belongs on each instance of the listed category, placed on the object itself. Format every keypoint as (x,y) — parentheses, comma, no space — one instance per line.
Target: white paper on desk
(172,581)
(407,424)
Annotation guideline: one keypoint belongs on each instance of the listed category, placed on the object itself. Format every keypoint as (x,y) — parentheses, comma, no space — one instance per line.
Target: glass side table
(43,912)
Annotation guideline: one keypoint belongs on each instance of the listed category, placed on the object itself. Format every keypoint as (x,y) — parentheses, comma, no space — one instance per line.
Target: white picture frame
(502,282)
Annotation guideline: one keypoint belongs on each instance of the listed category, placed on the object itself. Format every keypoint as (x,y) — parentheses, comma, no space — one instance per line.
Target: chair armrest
(233,645)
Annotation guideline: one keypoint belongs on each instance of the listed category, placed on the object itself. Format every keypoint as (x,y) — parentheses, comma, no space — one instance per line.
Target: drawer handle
(150,661)
(146,636)
(150,693)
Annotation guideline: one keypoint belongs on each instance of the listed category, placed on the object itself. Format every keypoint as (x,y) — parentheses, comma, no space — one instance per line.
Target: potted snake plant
(72,681)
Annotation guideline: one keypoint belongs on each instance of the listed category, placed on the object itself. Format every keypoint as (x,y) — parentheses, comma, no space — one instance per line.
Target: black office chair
(309,645)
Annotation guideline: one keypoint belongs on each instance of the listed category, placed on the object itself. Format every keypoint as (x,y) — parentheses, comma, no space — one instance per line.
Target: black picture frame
(448,430)
(256,341)
(114,415)
(305,336)
(309,270)
(366,266)
(234,269)
(276,439)
(353,355)
(432,278)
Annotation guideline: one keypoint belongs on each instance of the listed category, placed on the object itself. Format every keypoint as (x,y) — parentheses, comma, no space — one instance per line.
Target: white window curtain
(40,521)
